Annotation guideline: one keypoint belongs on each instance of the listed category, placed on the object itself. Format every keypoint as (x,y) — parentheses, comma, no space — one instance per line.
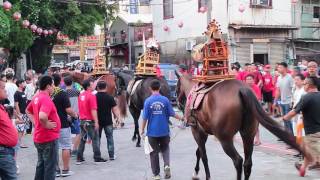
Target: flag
(144,42)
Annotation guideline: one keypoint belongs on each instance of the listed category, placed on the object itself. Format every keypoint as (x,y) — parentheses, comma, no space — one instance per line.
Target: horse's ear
(177,74)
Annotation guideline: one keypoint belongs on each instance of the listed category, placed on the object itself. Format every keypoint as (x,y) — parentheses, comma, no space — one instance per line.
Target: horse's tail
(122,104)
(253,108)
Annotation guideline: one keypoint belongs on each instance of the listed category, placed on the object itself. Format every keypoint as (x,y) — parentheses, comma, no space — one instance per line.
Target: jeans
(8,169)
(287,124)
(108,130)
(47,160)
(159,144)
(87,129)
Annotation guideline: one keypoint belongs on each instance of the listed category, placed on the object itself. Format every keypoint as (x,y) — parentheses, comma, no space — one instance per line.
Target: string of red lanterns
(7,6)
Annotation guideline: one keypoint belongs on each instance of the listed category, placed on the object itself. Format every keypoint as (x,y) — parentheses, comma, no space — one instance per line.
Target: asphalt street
(271,160)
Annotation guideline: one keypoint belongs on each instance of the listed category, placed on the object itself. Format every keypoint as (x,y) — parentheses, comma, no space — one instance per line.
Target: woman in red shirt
(249,80)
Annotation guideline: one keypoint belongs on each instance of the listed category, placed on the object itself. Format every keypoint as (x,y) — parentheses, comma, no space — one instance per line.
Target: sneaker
(157,177)
(79,161)
(113,158)
(18,169)
(66,173)
(58,173)
(100,160)
(167,173)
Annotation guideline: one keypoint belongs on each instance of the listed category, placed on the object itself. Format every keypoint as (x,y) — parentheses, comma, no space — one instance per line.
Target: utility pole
(209,5)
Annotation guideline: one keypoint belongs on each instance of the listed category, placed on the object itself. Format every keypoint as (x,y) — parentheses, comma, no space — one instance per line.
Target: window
(202,3)
(316,12)
(144,2)
(261,3)
(167,9)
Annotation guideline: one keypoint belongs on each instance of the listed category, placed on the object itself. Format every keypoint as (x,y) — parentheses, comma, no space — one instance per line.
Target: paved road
(271,160)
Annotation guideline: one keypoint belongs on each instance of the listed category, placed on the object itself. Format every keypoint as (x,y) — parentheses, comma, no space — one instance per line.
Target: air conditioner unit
(260,2)
(190,44)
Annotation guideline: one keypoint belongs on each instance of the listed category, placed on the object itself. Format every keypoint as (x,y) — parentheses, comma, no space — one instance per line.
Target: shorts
(65,140)
(313,142)
(75,126)
(23,127)
(267,97)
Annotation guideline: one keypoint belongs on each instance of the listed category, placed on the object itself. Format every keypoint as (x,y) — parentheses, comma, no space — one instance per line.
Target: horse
(136,100)
(229,107)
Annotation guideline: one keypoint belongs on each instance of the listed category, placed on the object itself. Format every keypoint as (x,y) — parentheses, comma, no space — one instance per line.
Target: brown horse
(228,108)
(110,79)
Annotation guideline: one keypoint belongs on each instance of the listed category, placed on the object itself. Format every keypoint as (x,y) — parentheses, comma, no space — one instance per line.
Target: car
(168,71)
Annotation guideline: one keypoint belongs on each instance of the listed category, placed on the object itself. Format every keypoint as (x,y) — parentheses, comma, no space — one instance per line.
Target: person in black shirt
(309,106)
(20,104)
(106,104)
(61,100)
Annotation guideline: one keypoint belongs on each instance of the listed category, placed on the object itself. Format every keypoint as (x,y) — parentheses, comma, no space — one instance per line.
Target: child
(249,80)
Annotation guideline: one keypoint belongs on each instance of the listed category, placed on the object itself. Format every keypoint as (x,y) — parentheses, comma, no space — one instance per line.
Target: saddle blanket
(132,86)
(197,93)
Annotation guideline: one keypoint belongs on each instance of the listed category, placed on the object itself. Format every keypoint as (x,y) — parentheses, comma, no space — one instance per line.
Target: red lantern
(7,6)
(33,28)
(166,28)
(242,8)
(50,32)
(294,1)
(203,9)
(45,32)
(25,23)
(180,25)
(16,16)
(39,31)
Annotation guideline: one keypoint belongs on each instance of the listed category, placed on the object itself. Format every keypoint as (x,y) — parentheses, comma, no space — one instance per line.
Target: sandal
(302,171)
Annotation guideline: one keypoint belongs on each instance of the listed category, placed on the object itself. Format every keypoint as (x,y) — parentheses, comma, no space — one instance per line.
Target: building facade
(306,15)
(85,49)
(126,38)
(256,30)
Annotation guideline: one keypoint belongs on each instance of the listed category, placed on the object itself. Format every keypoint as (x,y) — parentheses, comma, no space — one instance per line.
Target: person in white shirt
(11,88)
(298,92)
(30,88)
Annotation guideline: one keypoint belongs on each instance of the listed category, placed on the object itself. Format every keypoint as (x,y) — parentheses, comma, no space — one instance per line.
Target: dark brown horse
(137,98)
(228,108)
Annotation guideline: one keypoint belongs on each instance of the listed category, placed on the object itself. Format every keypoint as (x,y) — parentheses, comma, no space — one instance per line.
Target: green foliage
(73,19)
(4,25)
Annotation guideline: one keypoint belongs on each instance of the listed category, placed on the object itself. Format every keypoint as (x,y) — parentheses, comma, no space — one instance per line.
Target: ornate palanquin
(147,63)
(214,56)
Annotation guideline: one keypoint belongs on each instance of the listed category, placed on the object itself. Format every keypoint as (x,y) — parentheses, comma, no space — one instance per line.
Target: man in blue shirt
(157,111)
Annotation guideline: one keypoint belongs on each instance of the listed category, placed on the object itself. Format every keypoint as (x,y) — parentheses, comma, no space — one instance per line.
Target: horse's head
(184,85)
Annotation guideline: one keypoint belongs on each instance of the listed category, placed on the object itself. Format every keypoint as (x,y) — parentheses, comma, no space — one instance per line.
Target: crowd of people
(292,94)
(60,115)
(65,115)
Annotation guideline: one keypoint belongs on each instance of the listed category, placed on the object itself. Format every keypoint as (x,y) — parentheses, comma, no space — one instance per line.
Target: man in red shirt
(250,82)
(267,87)
(89,125)
(42,111)
(8,139)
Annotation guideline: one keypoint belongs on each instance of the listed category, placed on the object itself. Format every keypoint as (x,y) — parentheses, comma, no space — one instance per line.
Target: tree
(73,18)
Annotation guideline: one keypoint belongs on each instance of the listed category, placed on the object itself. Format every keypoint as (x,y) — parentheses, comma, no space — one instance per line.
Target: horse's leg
(248,149)
(231,151)
(135,114)
(201,139)
(197,168)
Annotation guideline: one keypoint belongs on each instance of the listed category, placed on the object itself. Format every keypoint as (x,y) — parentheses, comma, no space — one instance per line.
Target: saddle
(132,87)
(197,94)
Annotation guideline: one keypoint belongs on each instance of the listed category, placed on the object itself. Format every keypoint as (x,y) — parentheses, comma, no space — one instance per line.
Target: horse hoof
(195,176)
(134,138)
(138,145)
